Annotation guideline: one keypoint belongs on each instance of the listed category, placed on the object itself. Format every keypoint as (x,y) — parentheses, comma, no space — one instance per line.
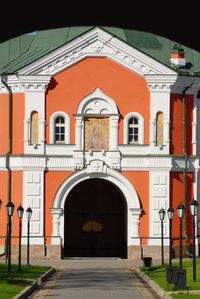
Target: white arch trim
(97,103)
(67,126)
(141,126)
(130,195)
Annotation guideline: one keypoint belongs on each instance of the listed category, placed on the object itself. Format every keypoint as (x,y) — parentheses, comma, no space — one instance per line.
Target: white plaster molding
(96,166)
(59,149)
(140,124)
(161,82)
(97,43)
(97,102)
(133,149)
(112,159)
(3,164)
(67,126)
(24,83)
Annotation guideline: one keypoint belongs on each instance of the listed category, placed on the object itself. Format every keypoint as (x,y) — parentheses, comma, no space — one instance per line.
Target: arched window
(133,128)
(59,128)
(34,128)
(159,128)
(59,132)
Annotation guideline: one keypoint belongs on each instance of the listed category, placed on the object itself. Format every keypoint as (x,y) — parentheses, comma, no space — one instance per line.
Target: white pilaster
(152,134)
(166,132)
(114,132)
(26,131)
(79,132)
(56,213)
(159,198)
(42,130)
(33,197)
(160,90)
(134,224)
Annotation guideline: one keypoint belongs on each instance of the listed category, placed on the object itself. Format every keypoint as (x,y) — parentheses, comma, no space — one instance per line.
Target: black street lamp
(162,217)
(10,209)
(181,212)
(20,212)
(170,213)
(28,216)
(193,211)
(0,204)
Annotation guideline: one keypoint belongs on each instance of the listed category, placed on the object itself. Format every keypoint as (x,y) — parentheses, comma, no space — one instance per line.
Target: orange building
(99,131)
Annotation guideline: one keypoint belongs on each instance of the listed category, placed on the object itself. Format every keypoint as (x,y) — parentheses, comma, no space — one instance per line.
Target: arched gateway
(96,213)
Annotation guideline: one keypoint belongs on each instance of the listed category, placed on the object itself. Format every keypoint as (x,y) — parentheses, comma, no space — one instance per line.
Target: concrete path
(94,279)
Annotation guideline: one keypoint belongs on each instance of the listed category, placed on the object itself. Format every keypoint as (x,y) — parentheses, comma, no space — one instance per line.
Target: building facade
(97,136)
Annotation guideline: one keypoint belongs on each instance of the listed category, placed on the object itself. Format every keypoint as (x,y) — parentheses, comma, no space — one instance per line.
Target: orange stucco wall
(3,196)
(177,197)
(52,181)
(4,123)
(16,198)
(176,107)
(17,123)
(140,181)
(127,89)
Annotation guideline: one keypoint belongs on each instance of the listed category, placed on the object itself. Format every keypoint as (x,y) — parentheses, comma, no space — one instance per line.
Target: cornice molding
(96,43)
(160,83)
(25,83)
(127,162)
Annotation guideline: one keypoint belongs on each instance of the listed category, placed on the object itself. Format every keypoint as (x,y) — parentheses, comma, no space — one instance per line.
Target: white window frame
(52,127)
(140,127)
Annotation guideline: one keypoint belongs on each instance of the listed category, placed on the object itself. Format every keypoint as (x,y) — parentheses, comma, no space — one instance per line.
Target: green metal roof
(23,50)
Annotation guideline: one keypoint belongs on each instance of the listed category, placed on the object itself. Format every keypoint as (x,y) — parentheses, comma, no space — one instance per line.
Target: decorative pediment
(95,43)
(97,103)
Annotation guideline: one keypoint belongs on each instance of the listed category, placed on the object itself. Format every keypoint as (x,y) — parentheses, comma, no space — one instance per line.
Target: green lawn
(13,283)
(158,274)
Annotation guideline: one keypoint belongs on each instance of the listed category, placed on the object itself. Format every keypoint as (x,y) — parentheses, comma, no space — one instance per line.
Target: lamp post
(181,212)
(162,217)
(28,216)
(20,212)
(193,211)
(0,204)
(10,209)
(170,213)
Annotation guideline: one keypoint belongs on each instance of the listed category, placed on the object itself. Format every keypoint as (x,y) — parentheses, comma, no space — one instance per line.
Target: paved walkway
(94,279)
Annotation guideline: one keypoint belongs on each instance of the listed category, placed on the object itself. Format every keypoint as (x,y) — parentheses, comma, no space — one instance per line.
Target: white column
(152,138)
(134,227)
(79,132)
(166,132)
(114,132)
(42,130)
(26,130)
(56,213)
